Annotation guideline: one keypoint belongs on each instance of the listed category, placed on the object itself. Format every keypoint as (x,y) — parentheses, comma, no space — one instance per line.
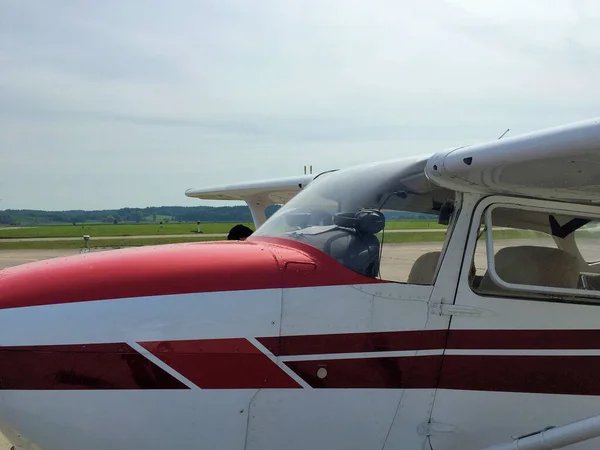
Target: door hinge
(444,309)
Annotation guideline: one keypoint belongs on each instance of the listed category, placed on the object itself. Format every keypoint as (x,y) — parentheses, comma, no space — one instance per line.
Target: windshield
(344,213)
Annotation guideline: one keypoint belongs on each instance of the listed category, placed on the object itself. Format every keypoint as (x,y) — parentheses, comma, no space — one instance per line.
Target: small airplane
(327,328)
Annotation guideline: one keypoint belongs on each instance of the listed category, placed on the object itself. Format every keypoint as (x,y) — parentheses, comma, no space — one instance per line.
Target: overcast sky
(106,104)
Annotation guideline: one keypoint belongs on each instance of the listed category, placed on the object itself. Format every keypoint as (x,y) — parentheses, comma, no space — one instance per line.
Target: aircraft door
(523,350)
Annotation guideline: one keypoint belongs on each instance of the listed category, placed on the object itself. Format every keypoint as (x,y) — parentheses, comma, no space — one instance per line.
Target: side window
(587,239)
(411,249)
(535,253)
(515,239)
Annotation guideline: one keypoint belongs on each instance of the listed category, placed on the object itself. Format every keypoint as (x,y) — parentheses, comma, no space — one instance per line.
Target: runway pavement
(10,258)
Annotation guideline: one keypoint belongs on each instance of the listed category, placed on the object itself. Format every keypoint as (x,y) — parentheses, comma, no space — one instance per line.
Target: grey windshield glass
(343,213)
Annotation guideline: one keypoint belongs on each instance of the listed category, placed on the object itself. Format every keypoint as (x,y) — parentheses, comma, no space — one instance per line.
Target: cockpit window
(345,215)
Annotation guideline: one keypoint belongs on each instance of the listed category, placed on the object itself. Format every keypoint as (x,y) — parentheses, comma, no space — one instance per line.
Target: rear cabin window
(537,254)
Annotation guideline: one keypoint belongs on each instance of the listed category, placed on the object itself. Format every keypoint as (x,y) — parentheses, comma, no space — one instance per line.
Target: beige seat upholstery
(423,269)
(532,265)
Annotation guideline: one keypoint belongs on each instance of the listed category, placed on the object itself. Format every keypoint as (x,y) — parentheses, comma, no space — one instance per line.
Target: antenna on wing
(507,130)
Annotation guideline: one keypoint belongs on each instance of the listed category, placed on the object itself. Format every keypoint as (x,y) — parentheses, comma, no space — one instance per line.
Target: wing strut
(555,437)
(258,211)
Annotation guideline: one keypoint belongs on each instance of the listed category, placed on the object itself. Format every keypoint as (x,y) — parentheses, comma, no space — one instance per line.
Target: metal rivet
(322,373)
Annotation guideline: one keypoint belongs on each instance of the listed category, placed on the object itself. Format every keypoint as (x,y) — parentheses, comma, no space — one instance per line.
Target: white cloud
(137,101)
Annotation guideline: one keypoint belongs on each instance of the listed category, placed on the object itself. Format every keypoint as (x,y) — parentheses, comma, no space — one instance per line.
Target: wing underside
(258,195)
(560,163)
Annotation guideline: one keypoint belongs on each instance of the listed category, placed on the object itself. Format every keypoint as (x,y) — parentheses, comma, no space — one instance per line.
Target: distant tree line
(163,214)
(128,215)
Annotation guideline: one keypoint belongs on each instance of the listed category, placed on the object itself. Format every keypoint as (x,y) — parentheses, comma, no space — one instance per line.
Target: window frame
(589,263)
(450,228)
(483,214)
(450,231)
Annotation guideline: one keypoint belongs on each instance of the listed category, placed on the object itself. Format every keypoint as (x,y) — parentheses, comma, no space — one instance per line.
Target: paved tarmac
(10,258)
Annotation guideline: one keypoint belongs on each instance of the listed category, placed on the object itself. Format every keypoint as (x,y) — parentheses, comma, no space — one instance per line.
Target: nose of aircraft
(172,269)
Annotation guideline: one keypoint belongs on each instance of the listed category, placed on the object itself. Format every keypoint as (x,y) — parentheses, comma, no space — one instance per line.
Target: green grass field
(56,231)
(413,225)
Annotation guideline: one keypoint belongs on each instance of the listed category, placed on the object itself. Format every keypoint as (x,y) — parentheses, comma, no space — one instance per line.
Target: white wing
(258,195)
(561,163)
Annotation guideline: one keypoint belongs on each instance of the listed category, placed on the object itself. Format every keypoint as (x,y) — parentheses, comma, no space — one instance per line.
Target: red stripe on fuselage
(173,269)
(524,339)
(419,372)
(573,375)
(317,344)
(91,367)
(237,364)
(221,364)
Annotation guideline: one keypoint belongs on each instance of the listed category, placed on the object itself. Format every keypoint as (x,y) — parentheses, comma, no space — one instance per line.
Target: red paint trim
(90,367)
(371,373)
(172,269)
(524,339)
(318,344)
(237,364)
(222,364)
(574,375)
